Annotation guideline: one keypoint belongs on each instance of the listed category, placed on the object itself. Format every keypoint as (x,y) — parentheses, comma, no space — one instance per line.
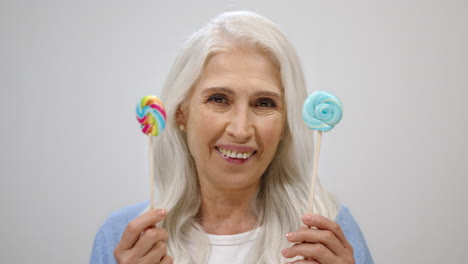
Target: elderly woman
(234,162)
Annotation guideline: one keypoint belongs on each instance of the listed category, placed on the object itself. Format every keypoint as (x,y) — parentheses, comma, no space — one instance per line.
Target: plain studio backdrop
(71,73)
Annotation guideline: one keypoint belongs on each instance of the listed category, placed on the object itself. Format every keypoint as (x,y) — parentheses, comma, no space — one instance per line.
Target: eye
(218,98)
(265,103)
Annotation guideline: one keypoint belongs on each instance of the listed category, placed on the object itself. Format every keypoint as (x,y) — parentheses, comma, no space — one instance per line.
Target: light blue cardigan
(108,236)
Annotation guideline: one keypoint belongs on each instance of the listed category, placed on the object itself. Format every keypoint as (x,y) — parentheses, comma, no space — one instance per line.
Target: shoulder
(110,233)
(354,235)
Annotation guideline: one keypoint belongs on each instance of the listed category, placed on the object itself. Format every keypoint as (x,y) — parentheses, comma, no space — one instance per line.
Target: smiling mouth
(227,153)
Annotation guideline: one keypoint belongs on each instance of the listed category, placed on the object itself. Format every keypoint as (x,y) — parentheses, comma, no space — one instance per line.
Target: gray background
(71,150)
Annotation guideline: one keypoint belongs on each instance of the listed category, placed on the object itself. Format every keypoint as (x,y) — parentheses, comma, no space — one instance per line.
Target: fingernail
(307,217)
(284,251)
(162,212)
(289,235)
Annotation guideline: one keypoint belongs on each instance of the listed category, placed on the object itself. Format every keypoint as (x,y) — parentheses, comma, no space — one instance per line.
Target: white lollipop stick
(151,173)
(314,172)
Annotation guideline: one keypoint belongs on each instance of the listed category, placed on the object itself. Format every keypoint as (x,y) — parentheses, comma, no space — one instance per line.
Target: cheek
(202,122)
(201,128)
(271,130)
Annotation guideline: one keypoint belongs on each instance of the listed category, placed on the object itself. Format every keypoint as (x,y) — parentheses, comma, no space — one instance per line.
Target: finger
(304,261)
(138,225)
(148,240)
(156,253)
(317,252)
(167,260)
(325,237)
(324,223)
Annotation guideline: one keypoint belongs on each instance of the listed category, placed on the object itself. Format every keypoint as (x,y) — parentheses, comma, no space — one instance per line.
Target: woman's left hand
(324,243)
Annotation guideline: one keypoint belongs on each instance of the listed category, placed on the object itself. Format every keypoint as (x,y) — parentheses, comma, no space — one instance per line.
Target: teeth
(235,154)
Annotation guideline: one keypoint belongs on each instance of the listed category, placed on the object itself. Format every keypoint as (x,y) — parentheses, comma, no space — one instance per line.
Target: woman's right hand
(143,242)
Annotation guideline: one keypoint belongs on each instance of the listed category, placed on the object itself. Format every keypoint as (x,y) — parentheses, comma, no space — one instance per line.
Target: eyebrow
(218,89)
(229,91)
(268,94)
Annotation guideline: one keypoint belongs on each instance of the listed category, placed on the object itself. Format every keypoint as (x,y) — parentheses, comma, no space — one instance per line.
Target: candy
(151,115)
(322,111)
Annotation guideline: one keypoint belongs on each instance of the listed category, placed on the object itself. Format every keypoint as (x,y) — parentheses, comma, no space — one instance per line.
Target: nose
(240,126)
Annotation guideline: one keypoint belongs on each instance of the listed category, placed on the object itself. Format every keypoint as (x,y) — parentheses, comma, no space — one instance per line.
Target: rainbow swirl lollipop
(322,111)
(151,115)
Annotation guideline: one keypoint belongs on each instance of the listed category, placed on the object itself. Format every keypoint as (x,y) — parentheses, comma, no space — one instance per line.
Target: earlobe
(180,118)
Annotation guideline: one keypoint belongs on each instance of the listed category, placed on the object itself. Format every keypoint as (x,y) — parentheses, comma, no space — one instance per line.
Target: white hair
(282,197)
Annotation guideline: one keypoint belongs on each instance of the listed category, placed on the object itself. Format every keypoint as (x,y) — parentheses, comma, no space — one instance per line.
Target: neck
(227,212)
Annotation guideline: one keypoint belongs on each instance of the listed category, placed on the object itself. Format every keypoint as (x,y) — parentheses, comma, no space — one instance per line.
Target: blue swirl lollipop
(322,111)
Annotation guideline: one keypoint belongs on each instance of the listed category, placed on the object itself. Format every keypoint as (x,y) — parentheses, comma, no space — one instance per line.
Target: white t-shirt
(232,249)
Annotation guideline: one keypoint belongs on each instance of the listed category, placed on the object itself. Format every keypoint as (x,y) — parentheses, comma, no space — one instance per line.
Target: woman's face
(235,119)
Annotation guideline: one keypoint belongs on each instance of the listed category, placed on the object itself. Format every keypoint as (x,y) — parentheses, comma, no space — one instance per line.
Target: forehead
(249,69)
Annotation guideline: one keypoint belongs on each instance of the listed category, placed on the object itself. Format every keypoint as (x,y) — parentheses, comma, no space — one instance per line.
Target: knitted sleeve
(354,235)
(110,233)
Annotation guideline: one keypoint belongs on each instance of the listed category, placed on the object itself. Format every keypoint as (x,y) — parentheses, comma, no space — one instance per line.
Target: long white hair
(282,197)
